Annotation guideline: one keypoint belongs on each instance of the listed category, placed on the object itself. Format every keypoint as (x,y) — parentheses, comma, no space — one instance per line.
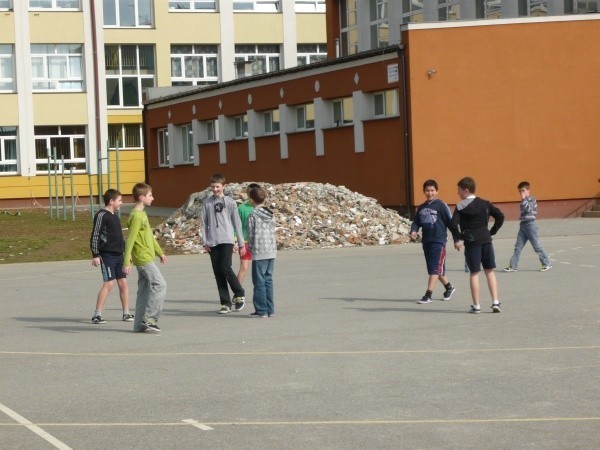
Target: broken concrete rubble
(307,216)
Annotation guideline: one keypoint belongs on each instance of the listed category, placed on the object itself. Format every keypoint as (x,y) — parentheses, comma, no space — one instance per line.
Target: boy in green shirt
(244,211)
(142,248)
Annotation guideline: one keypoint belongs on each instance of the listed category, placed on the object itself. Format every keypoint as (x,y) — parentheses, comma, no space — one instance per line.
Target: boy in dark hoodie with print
(471,215)
(263,246)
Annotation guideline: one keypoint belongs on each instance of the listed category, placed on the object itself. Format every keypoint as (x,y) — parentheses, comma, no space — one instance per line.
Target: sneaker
(257,315)
(98,319)
(546,267)
(474,309)
(127,317)
(496,307)
(509,269)
(272,315)
(448,293)
(425,300)
(224,310)
(239,303)
(148,327)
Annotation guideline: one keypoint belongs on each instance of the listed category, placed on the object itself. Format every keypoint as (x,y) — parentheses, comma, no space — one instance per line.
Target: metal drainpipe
(96,76)
(406,140)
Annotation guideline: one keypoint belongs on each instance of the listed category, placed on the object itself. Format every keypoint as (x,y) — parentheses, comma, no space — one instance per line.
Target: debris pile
(307,216)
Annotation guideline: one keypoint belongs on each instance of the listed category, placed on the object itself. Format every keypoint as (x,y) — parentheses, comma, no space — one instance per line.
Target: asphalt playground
(349,362)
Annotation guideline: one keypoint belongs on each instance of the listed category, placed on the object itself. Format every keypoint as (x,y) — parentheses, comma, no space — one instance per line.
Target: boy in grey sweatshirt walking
(263,246)
(219,218)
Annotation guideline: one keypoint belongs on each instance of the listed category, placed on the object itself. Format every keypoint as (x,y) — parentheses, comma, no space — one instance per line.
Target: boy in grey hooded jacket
(263,246)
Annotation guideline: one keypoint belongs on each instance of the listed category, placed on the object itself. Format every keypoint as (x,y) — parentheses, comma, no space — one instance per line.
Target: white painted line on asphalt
(576,248)
(37,430)
(586,265)
(197,424)
(564,262)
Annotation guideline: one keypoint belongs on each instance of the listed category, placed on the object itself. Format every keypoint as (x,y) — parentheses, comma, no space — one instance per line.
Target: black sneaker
(496,307)
(257,315)
(474,309)
(238,303)
(98,319)
(150,327)
(127,317)
(424,300)
(448,293)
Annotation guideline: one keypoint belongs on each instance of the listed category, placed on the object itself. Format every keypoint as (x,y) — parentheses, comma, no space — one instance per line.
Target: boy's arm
(237,227)
(447,217)
(455,226)
(528,205)
(135,224)
(251,232)
(95,236)
(498,219)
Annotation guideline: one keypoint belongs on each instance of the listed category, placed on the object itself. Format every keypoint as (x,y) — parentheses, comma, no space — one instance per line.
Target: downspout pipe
(96,81)
(406,134)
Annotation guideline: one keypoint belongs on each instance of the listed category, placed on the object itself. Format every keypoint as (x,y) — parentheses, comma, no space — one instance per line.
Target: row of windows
(138,13)
(131,68)
(65,144)
(180,148)
(410,11)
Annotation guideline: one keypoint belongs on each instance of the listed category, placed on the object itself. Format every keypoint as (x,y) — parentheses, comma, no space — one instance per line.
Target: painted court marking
(197,424)
(35,428)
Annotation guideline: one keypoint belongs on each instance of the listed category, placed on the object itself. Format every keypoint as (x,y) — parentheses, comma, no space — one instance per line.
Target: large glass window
(55,4)
(127,13)
(309,6)
(7,68)
(64,142)
(57,67)
(349,27)
(343,111)
(310,53)
(126,136)
(5,4)
(212,130)
(163,147)
(488,9)
(386,103)
(193,5)
(256,5)
(448,10)
(271,120)
(251,59)
(412,11)
(379,23)
(305,117)
(534,8)
(194,65)
(8,150)
(585,6)
(129,70)
(187,141)
(241,126)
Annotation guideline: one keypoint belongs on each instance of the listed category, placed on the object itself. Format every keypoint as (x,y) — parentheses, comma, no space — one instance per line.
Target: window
(448,10)
(343,111)
(310,53)
(129,70)
(127,13)
(5,4)
(305,117)
(212,134)
(55,4)
(163,147)
(193,5)
(57,67)
(349,27)
(241,126)
(535,8)
(412,11)
(7,68)
(256,59)
(309,6)
(379,24)
(187,143)
(256,5)
(66,142)
(194,65)
(585,6)
(126,136)
(386,103)
(271,119)
(8,150)
(488,9)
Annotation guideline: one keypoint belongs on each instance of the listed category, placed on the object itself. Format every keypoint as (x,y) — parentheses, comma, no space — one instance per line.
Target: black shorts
(435,258)
(480,255)
(112,266)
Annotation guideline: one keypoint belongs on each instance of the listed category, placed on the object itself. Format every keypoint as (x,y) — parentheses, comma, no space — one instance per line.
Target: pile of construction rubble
(307,216)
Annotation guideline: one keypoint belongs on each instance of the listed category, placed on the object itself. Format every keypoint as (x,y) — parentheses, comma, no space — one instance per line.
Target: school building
(500,91)
(73,73)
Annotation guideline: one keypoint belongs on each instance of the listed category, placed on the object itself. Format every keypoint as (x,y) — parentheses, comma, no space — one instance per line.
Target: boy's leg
(532,230)
(259,297)
(216,254)
(123,292)
(227,270)
(521,241)
(143,292)
(474,283)
(269,286)
(492,283)
(157,289)
(244,264)
(103,294)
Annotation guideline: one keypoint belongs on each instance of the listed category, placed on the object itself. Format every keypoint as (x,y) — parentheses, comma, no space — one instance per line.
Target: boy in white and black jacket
(263,246)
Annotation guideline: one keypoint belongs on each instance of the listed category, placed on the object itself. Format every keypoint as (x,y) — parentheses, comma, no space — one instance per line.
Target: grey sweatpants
(151,293)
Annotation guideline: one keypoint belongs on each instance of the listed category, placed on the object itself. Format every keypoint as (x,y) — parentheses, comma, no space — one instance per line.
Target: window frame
(116,13)
(10,57)
(54,5)
(302,51)
(193,6)
(388,97)
(260,53)
(70,59)
(342,109)
(141,79)
(123,136)
(379,19)
(13,164)
(309,6)
(305,117)
(162,146)
(240,126)
(256,6)
(206,79)
(187,143)
(72,138)
(272,122)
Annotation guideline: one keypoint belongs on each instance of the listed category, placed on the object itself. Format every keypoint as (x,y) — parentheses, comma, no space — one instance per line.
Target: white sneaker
(474,309)
(224,310)
(496,307)
(545,268)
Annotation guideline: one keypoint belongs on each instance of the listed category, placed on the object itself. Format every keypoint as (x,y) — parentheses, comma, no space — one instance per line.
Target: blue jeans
(528,231)
(262,278)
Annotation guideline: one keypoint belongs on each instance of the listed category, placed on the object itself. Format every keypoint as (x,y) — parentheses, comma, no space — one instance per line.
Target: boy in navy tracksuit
(434,218)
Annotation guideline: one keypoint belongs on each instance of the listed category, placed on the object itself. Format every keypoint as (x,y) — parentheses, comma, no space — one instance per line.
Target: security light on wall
(431,72)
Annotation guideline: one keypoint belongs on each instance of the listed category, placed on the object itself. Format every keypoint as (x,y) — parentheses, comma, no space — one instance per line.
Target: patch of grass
(30,235)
